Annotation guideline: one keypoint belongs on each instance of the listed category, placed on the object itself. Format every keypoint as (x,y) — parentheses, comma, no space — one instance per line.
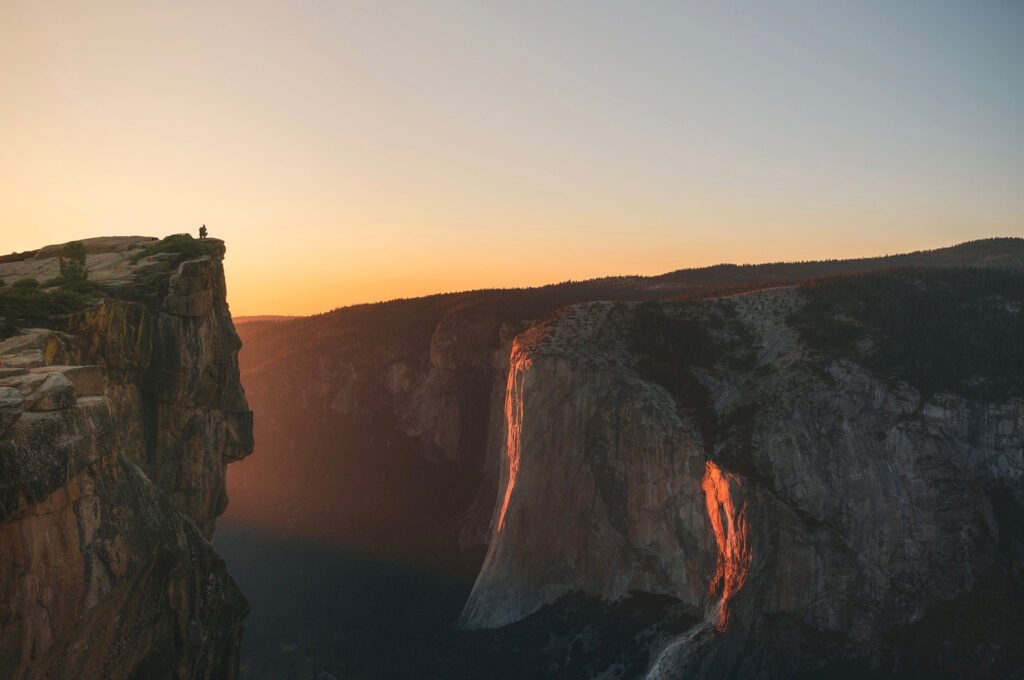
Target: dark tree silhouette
(72,262)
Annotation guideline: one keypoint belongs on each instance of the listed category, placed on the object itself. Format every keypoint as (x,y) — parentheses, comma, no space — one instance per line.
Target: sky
(358,151)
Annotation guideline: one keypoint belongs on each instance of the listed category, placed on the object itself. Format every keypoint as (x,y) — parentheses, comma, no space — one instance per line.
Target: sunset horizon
(317,299)
(511,340)
(356,153)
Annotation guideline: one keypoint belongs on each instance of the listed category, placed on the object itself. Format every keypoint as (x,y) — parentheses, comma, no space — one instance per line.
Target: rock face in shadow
(696,460)
(818,518)
(118,422)
(382,425)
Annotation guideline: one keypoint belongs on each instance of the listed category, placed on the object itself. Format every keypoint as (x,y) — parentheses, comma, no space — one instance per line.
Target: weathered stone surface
(46,450)
(588,441)
(53,393)
(88,381)
(191,289)
(42,390)
(25,381)
(35,347)
(12,403)
(104,579)
(108,500)
(115,334)
(108,260)
(32,358)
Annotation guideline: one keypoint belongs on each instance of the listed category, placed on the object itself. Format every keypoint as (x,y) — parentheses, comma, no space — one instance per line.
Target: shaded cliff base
(351,615)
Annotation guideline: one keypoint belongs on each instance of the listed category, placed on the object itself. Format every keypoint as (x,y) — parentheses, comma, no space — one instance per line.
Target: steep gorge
(674,488)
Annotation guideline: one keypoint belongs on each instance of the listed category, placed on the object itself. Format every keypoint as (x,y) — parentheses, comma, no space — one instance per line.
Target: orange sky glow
(353,152)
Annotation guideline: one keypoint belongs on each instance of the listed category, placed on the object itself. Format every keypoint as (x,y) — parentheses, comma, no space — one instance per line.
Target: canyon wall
(118,422)
(815,517)
(599,470)
(663,464)
(380,425)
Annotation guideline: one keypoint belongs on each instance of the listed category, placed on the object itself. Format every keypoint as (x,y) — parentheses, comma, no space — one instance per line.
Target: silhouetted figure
(202,231)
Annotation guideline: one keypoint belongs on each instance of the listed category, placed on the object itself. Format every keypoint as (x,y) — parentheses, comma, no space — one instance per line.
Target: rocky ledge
(117,422)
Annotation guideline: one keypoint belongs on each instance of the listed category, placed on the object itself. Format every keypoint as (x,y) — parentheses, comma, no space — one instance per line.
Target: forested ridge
(959,330)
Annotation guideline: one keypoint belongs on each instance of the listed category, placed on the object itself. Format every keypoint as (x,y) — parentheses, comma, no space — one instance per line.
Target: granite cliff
(813,517)
(380,425)
(117,421)
(786,482)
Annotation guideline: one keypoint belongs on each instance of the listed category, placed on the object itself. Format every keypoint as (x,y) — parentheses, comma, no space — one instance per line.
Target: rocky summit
(120,408)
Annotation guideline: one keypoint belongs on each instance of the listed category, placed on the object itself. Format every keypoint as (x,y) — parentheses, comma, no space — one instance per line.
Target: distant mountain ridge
(432,368)
(262,317)
(385,429)
(264,340)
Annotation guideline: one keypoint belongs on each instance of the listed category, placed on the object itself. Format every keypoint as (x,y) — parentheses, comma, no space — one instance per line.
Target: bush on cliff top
(72,262)
(25,284)
(74,275)
(89,289)
(29,302)
(182,244)
(67,292)
(27,299)
(32,303)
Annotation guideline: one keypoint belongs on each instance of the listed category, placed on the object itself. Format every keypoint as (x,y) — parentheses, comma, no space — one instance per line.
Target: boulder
(35,347)
(53,393)
(87,380)
(11,405)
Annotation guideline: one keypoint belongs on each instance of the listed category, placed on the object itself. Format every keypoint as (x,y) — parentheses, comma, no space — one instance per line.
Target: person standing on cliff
(202,231)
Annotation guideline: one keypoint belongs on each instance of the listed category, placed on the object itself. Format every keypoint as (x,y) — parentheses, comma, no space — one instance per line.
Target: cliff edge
(118,418)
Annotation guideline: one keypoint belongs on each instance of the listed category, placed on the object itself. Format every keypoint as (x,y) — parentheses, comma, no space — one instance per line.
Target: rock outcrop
(600,471)
(818,518)
(117,423)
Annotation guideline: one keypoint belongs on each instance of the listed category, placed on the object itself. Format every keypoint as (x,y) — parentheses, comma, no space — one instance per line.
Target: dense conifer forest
(959,330)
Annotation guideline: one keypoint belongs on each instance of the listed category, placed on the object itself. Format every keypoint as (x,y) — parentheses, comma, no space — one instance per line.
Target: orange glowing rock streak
(731,536)
(520,364)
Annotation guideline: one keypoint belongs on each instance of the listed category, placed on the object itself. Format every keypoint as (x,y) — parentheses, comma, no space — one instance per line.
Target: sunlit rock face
(601,481)
(118,423)
(817,517)
(729,522)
